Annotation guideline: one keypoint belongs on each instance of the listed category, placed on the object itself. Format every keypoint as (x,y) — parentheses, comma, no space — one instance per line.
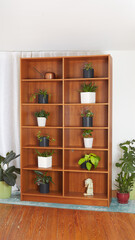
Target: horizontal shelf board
(85,104)
(100,196)
(41,80)
(85,149)
(77,169)
(38,147)
(86,79)
(86,128)
(36,193)
(41,104)
(31,167)
(37,127)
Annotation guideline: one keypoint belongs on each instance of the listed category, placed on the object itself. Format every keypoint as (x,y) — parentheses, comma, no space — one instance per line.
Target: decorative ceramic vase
(88,142)
(41,121)
(122,197)
(88,97)
(44,162)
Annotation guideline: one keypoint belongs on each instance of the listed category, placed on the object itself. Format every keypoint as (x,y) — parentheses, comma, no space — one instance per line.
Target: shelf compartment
(72,157)
(73,115)
(53,88)
(28,116)
(74,184)
(29,158)
(73,138)
(31,188)
(42,65)
(29,137)
(72,94)
(73,67)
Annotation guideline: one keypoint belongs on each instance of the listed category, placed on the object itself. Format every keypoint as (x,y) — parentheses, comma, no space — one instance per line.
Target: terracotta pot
(49,75)
(122,197)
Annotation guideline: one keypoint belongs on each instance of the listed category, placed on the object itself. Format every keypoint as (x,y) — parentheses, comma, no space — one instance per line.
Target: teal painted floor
(114,207)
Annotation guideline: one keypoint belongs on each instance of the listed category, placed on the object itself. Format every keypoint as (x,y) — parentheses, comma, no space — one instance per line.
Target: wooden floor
(33,223)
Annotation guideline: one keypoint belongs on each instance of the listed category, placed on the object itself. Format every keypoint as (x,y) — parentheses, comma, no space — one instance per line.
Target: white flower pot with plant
(44,159)
(41,118)
(88,141)
(88,93)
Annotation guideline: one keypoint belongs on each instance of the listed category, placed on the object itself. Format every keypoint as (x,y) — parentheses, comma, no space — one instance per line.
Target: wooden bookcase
(64,124)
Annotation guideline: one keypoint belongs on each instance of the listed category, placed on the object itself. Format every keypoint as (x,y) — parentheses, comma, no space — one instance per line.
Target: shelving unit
(64,124)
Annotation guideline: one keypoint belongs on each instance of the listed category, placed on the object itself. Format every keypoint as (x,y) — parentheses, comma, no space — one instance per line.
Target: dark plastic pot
(83,165)
(122,197)
(88,73)
(44,142)
(44,187)
(87,121)
(42,99)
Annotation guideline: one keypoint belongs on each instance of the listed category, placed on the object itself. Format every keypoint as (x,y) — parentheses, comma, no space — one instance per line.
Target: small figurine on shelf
(89,186)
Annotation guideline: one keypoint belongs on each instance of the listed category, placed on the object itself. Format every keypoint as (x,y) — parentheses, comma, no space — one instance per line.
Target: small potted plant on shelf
(41,117)
(43,181)
(42,96)
(7,174)
(125,179)
(88,71)
(44,140)
(87,118)
(88,140)
(44,159)
(88,161)
(88,93)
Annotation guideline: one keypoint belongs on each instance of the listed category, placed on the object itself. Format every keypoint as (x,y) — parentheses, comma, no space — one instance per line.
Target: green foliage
(42,113)
(87,113)
(90,159)
(125,178)
(44,154)
(87,133)
(42,178)
(39,137)
(9,175)
(88,66)
(88,87)
(39,92)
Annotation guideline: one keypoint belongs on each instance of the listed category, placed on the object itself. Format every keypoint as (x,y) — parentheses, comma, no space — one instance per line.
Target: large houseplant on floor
(125,179)
(7,174)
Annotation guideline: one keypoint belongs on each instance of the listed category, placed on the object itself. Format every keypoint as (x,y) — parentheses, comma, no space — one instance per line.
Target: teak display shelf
(64,124)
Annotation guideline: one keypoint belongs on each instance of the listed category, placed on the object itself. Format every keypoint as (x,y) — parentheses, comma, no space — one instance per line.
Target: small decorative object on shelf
(42,96)
(88,93)
(88,141)
(49,75)
(89,186)
(88,71)
(7,176)
(88,161)
(44,159)
(41,118)
(125,179)
(44,140)
(43,181)
(87,118)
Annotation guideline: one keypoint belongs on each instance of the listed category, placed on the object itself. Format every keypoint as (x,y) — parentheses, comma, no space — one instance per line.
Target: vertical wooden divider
(63,111)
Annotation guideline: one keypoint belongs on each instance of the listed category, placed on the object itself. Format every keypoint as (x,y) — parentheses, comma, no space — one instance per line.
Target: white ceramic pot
(44,162)
(41,121)
(88,97)
(88,142)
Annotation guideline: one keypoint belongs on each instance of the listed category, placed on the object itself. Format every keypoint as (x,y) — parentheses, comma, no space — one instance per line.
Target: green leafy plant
(87,66)
(44,154)
(42,178)
(42,113)
(91,160)
(88,87)
(39,92)
(9,175)
(87,113)
(87,133)
(125,179)
(39,137)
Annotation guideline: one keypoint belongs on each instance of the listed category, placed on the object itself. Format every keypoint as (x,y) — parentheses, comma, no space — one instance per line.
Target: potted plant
(44,159)
(42,96)
(41,117)
(87,118)
(7,174)
(88,71)
(88,161)
(88,93)
(88,141)
(43,181)
(125,179)
(44,140)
